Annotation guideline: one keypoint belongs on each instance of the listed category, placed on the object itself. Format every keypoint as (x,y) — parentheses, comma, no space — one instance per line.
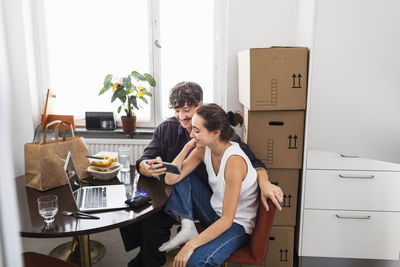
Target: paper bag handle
(56,130)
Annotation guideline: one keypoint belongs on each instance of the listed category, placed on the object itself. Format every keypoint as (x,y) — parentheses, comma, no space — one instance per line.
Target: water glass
(48,208)
(124,158)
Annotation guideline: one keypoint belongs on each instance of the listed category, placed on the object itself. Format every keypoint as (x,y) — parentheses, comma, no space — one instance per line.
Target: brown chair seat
(33,259)
(254,251)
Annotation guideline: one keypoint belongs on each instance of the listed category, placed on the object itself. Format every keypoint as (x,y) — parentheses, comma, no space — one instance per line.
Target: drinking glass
(124,158)
(48,208)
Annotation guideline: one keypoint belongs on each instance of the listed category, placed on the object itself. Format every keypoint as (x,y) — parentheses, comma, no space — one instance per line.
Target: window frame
(40,42)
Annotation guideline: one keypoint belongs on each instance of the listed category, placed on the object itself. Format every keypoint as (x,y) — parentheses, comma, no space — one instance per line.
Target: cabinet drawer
(352,190)
(351,234)
(322,160)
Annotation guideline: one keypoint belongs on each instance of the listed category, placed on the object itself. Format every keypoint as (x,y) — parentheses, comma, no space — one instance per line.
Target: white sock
(188,232)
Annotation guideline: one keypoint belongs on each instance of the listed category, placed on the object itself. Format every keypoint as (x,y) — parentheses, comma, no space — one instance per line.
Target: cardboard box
(288,181)
(275,137)
(273,78)
(280,248)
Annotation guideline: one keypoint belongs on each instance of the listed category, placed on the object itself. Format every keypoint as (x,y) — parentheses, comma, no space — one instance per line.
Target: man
(168,140)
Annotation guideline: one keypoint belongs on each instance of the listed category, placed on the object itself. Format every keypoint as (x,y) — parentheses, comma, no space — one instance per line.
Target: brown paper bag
(44,161)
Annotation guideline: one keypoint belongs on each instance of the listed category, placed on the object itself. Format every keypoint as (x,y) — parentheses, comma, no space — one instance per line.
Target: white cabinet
(350,205)
(351,234)
(324,160)
(352,190)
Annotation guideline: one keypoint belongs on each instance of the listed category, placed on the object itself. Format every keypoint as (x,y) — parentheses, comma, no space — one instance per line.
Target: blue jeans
(191,199)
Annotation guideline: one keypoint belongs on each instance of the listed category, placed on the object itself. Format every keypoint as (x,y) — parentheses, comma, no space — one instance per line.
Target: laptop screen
(71,174)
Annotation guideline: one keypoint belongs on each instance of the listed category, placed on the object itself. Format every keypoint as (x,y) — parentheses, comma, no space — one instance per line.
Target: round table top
(32,224)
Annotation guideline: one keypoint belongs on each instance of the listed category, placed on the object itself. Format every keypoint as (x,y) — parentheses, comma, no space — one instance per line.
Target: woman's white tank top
(246,211)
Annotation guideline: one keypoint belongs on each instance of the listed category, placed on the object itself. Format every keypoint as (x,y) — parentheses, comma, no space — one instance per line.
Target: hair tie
(231,117)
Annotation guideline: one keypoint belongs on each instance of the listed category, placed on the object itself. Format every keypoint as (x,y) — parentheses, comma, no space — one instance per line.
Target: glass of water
(48,208)
(124,158)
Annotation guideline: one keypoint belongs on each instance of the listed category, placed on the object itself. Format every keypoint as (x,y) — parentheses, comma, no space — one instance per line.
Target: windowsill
(140,133)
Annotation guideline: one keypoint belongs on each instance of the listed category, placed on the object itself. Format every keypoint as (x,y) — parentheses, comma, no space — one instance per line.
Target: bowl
(104,173)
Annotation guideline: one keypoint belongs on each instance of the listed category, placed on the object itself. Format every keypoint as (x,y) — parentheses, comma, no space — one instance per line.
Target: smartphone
(172,168)
(138,201)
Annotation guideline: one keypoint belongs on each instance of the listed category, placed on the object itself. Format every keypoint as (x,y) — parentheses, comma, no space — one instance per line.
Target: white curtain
(17,122)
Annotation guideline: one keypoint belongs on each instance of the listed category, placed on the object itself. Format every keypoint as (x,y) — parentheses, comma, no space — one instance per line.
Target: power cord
(34,135)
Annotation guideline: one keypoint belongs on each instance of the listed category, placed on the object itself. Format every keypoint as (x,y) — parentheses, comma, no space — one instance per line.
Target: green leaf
(144,99)
(103,90)
(134,102)
(107,80)
(114,96)
(121,94)
(146,93)
(119,109)
(107,84)
(150,79)
(138,76)
(127,82)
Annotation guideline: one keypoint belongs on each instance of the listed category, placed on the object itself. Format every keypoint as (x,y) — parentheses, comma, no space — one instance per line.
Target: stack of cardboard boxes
(273,90)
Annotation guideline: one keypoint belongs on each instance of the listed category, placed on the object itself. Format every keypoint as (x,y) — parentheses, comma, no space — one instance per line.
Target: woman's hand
(191,144)
(183,256)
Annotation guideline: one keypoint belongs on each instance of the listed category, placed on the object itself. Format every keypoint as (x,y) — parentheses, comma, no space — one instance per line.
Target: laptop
(93,198)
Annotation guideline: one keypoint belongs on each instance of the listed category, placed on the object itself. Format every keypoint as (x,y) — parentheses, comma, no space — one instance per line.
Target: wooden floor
(170,257)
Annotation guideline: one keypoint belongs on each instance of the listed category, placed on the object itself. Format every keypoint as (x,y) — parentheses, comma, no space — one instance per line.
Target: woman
(229,213)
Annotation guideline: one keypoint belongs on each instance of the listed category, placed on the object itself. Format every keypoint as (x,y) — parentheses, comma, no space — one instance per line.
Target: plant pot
(128,124)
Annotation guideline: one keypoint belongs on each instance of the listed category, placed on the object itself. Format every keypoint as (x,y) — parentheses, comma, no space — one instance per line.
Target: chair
(33,259)
(254,251)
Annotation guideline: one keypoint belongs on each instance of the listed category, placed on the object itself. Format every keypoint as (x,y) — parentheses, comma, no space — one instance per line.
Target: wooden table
(32,224)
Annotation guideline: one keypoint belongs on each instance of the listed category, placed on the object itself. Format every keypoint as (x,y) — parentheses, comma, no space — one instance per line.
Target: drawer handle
(348,156)
(357,177)
(368,217)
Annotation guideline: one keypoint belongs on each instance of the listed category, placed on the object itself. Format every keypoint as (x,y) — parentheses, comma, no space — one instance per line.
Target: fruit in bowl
(105,162)
(105,168)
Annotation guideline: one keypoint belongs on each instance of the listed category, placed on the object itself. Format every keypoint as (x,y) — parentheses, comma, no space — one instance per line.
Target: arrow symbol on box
(294,80)
(299,76)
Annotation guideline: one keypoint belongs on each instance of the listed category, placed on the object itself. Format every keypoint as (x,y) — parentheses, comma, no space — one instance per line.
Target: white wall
(255,23)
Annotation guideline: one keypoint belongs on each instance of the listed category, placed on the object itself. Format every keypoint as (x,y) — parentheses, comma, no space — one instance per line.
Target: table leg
(76,251)
(84,249)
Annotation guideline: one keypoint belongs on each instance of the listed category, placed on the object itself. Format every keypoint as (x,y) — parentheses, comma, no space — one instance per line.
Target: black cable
(34,134)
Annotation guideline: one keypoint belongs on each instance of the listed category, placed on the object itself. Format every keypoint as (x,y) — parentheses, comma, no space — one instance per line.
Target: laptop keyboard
(96,198)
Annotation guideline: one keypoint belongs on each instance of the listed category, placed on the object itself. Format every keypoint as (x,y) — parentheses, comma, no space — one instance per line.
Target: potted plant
(128,90)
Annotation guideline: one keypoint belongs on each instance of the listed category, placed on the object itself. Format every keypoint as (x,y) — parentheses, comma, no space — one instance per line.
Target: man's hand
(151,169)
(156,169)
(269,190)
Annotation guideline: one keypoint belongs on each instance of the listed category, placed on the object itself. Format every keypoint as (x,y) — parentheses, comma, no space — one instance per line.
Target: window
(81,41)
(187,46)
